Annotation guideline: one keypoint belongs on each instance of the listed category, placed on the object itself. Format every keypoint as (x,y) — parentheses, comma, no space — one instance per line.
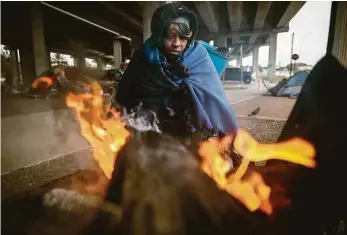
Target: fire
(251,191)
(106,136)
(43,82)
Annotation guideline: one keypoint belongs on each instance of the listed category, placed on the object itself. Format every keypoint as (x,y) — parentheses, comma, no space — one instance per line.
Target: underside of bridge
(108,31)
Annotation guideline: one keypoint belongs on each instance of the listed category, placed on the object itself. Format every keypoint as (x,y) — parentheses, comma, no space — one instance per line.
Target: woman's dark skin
(174,44)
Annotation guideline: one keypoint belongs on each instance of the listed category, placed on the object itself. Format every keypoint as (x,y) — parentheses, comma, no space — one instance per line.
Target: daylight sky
(310,26)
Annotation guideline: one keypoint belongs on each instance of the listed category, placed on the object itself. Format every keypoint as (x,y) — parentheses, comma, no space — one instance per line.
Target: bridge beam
(123,14)
(208,15)
(235,10)
(263,9)
(245,33)
(292,9)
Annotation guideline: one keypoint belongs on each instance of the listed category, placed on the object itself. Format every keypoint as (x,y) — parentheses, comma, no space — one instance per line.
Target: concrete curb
(37,175)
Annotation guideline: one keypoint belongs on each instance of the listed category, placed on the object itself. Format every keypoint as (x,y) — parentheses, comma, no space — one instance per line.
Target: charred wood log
(162,190)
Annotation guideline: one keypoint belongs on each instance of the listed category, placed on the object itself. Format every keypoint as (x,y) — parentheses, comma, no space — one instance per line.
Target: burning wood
(106,136)
(155,176)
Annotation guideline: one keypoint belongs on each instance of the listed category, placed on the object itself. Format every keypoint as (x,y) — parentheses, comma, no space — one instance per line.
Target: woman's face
(174,44)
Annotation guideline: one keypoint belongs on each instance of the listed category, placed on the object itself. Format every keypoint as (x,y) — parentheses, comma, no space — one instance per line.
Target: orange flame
(252,191)
(44,82)
(106,136)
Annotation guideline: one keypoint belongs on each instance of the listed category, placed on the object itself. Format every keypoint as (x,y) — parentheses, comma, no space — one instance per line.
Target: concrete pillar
(80,57)
(15,69)
(255,64)
(75,61)
(49,61)
(148,10)
(32,48)
(101,63)
(81,60)
(117,52)
(272,56)
(39,46)
(221,42)
(135,44)
(27,66)
(255,60)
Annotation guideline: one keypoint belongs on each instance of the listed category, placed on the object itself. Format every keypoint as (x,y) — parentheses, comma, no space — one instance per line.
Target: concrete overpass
(111,30)
(251,23)
(41,137)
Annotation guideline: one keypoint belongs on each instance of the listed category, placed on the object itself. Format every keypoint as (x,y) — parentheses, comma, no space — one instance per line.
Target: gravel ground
(263,130)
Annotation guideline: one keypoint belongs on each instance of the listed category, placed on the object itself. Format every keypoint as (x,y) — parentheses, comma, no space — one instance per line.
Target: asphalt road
(236,94)
(248,98)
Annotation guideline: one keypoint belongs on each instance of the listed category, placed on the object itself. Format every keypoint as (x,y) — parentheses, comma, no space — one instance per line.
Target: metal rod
(291,54)
(241,55)
(84,20)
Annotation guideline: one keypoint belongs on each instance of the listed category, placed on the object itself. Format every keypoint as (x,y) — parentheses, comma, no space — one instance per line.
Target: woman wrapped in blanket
(173,75)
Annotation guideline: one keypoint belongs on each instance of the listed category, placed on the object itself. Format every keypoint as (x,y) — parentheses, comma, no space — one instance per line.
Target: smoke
(142,119)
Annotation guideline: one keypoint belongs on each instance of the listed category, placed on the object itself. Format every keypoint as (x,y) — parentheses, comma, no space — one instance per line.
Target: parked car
(234,74)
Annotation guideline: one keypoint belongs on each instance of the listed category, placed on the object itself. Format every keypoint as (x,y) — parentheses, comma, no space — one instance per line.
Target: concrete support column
(221,42)
(80,55)
(49,61)
(148,10)
(272,56)
(32,48)
(15,69)
(75,61)
(117,52)
(255,64)
(39,46)
(100,63)
(135,44)
(27,66)
(255,61)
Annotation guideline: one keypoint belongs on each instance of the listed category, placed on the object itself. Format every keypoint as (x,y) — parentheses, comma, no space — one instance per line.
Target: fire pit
(156,185)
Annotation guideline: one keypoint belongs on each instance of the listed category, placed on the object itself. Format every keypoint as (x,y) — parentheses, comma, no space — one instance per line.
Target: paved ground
(235,93)
(245,100)
(277,108)
(12,105)
(21,210)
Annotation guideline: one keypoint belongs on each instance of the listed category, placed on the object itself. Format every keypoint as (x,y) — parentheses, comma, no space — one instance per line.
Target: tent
(289,87)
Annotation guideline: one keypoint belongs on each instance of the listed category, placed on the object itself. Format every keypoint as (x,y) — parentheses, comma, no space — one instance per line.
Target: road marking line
(262,117)
(239,101)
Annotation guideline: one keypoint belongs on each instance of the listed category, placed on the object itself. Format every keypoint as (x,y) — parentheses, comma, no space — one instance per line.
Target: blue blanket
(145,77)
